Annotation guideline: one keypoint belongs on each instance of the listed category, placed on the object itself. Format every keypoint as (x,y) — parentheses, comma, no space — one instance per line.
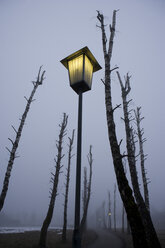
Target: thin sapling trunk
(140,133)
(84,218)
(15,143)
(151,235)
(67,186)
(109,210)
(55,180)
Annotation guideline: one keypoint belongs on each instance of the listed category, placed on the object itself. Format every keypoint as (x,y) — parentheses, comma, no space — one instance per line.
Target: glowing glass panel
(75,67)
(88,71)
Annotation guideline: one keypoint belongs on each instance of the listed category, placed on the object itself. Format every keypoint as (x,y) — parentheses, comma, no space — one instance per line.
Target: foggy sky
(39,32)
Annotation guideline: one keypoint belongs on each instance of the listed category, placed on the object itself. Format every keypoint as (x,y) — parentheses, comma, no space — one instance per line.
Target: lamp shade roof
(84,50)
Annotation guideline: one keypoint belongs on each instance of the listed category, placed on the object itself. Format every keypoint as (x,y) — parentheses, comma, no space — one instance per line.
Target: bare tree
(99,217)
(109,210)
(123,209)
(67,185)
(145,215)
(135,220)
(123,214)
(54,180)
(103,215)
(84,218)
(15,143)
(114,207)
(140,133)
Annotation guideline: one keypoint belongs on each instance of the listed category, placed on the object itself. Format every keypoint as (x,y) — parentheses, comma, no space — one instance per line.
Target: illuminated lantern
(81,66)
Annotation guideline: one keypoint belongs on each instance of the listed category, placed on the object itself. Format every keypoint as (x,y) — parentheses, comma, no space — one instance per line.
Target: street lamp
(81,65)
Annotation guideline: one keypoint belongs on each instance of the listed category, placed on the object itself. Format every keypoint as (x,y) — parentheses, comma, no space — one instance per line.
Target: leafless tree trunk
(15,143)
(103,215)
(140,133)
(137,228)
(109,210)
(145,215)
(67,186)
(84,218)
(54,179)
(128,226)
(123,209)
(114,208)
(99,216)
(123,213)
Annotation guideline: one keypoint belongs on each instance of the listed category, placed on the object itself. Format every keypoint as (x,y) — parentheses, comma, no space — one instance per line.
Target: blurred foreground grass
(31,239)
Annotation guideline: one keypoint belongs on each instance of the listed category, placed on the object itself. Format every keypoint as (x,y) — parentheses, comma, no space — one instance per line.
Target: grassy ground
(30,239)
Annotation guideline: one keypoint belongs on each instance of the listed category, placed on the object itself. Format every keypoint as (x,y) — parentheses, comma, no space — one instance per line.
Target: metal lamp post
(81,66)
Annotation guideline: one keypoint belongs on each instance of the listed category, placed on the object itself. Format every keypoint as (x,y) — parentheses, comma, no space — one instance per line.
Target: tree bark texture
(140,133)
(128,226)
(67,186)
(145,215)
(15,143)
(55,180)
(137,227)
(84,218)
(123,212)
(123,209)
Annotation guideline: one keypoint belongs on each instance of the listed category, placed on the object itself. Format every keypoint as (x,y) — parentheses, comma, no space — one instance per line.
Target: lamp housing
(81,65)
